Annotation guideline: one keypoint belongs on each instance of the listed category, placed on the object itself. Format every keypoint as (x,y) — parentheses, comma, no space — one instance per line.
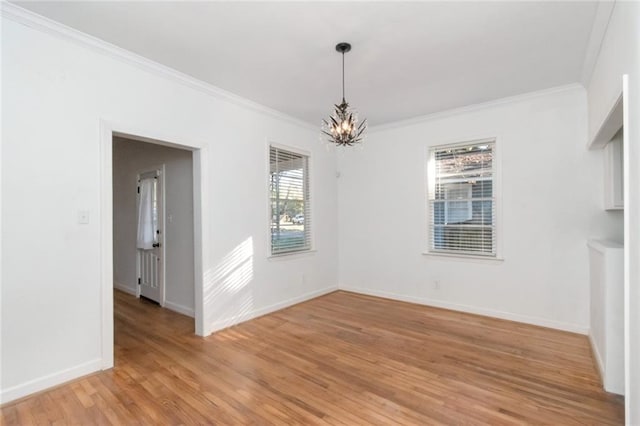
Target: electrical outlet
(436,284)
(83,217)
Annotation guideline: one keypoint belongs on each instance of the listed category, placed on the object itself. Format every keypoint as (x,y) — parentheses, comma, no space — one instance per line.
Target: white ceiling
(408,59)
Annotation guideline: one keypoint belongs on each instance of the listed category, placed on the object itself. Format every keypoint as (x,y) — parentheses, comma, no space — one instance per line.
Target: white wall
(129,159)
(551,202)
(620,54)
(55,92)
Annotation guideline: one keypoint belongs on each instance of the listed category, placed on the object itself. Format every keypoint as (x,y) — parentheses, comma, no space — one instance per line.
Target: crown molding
(596,37)
(38,22)
(475,107)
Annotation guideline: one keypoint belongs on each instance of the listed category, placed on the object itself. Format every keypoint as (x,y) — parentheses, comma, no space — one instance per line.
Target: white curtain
(146,228)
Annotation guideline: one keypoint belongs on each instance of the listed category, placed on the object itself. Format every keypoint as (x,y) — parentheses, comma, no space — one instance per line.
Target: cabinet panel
(614,174)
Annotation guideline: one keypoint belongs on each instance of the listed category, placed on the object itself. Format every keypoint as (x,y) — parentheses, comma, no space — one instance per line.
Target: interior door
(149,238)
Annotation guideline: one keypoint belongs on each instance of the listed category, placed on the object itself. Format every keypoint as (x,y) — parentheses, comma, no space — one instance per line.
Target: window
(289,199)
(462,204)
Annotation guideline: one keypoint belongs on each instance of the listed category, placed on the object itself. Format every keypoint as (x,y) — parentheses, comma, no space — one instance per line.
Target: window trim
(311,249)
(497,189)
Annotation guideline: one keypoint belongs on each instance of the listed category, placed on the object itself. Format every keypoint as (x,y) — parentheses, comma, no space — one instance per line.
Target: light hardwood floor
(338,359)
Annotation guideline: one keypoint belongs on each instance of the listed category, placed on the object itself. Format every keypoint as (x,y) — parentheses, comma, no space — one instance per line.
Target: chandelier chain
(343,97)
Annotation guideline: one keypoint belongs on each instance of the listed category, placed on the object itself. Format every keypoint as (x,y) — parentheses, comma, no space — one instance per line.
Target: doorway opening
(167,257)
(153,223)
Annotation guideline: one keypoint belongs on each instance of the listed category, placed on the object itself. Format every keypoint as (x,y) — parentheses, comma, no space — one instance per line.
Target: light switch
(83,217)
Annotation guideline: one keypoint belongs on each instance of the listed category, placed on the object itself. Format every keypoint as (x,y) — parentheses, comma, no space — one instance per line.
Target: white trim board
(176,307)
(50,380)
(33,20)
(609,126)
(124,288)
(181,309)
(201,245)
(237,319)
(540,322)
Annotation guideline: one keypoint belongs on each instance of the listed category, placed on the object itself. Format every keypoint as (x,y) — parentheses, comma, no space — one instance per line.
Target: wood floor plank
(340,359)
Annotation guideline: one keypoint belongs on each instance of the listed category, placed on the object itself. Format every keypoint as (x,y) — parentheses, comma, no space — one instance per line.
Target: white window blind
(460,210)
(462,205)
(290,201)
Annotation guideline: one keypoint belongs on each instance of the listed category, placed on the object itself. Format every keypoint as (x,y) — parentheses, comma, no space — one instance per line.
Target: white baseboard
(598,358)
(472,310)
(237,319)
(48,381)
(176,307)
(125,288)
(181,309)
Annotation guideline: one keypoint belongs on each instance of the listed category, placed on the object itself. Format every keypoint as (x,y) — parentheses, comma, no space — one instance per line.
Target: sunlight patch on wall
(228,298)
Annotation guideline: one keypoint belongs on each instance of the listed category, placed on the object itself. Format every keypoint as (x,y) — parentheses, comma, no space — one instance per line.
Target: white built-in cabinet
(606,328)
(614,173)
(609,140)
(606,261)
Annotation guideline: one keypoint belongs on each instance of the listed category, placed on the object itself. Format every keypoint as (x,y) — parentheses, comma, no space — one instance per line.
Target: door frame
(202,246)
(160,170)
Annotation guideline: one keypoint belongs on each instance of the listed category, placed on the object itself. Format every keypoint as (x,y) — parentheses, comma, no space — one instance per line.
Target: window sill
(291,255)
(464,257)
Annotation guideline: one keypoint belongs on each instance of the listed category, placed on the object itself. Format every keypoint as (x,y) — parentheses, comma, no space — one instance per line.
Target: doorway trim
(201,245)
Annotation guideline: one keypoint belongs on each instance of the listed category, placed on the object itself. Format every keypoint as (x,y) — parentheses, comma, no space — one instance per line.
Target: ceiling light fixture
(342,128)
